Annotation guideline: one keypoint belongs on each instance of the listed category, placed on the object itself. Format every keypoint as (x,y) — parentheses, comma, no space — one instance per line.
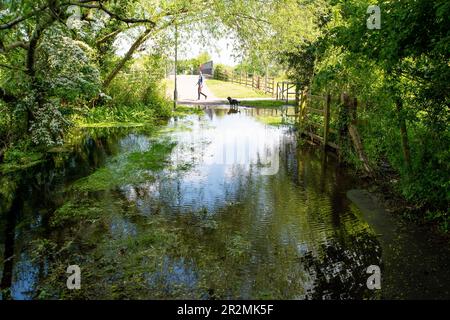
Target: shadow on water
(212,206)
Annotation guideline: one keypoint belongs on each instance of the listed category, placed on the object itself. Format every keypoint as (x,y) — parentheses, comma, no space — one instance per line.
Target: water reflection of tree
(29,197)
(271,237)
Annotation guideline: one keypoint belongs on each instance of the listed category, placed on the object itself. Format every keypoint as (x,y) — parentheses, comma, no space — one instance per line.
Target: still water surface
(213,206)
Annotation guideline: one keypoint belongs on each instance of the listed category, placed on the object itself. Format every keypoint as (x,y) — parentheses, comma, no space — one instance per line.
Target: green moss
(182,111)
(113,125)
(7,192)
(76,210)
(16,159)
(134,167)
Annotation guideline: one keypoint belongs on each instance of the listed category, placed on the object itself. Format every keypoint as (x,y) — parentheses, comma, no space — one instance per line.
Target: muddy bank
(411,259)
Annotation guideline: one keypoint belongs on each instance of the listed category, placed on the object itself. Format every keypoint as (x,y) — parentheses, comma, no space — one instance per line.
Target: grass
(182,111)
(16,159)
(128,116)
(271,120)
(265,103)
(223,89)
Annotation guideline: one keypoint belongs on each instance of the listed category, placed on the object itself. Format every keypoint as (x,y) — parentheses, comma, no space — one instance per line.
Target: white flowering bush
(65,75)
(66,68)
(48,125)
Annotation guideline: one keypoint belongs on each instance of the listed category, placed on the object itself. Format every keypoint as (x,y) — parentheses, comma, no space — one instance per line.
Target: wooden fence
(324,120)
(319,116)
(262,83)
(315,117)
(286,90)
(330,122)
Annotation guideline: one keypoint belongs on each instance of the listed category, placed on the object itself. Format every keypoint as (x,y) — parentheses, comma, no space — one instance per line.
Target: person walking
(200,86)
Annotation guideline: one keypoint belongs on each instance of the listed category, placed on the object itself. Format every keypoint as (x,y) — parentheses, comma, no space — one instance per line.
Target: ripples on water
(241,232)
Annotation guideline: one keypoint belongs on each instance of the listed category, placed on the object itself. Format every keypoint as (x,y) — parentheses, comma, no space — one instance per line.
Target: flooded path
(213,206)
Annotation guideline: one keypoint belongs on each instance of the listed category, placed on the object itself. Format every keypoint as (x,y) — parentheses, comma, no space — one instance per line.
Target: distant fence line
(282,90)
(262,83)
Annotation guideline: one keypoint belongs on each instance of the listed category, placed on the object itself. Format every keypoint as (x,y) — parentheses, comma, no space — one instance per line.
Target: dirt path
(187,92)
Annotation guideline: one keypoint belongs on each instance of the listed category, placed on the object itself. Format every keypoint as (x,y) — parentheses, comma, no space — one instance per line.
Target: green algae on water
(133,167)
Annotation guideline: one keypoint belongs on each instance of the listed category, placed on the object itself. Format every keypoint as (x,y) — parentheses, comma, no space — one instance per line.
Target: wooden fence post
(326,127)
(273,87)
(287,93)
(303,103)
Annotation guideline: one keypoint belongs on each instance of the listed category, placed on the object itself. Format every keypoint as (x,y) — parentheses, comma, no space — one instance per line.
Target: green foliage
(191,66)
(141,85)
(20,156)
(65,67)
(73,211)
(108,115)
(221,72)
(441,218)
(127,168)
(407,61)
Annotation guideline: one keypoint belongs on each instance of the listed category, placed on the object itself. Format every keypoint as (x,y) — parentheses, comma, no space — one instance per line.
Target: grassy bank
(224,89)
(24,154)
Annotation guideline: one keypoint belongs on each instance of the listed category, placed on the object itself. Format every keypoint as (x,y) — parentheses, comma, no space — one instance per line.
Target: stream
(210,206)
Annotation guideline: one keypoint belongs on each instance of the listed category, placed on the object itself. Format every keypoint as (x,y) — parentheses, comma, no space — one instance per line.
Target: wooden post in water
(303,103)
(297,99)
(326,120)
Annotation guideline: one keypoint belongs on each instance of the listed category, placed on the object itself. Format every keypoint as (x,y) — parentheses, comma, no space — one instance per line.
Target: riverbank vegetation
(400,75)
(224,89)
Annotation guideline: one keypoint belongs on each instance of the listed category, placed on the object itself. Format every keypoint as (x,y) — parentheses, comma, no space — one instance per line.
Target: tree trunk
(359,148)
(403,134)
(31,60)
(127,57)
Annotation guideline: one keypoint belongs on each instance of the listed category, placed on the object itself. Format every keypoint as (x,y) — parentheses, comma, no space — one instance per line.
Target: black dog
(234,104)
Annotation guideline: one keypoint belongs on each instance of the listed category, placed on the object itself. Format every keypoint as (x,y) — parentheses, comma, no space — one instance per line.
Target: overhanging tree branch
(109,36)
(127,57)
(19,19)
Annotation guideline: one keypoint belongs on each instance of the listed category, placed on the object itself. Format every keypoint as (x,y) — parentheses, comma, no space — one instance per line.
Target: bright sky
(221,50)
(190,46)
